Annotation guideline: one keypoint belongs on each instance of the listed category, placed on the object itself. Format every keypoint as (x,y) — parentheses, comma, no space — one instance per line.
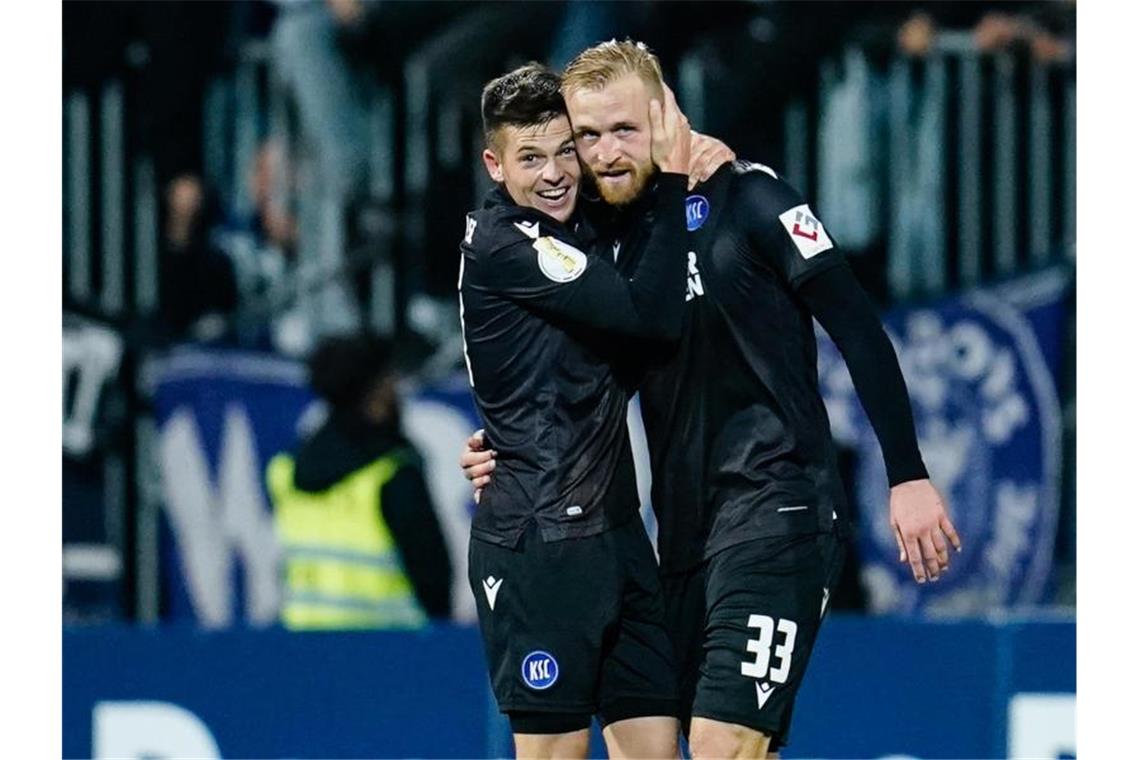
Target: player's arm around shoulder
(538,265)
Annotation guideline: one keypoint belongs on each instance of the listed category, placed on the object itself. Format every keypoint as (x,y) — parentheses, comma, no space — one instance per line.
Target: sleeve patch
(805,231)
(559,261)
(470,234)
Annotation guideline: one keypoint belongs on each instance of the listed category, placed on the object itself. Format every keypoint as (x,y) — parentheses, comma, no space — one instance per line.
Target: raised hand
(670,135)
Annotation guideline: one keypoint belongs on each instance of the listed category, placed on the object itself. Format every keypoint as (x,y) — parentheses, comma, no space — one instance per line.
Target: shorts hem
(638,706)
(548,708)
(768,729)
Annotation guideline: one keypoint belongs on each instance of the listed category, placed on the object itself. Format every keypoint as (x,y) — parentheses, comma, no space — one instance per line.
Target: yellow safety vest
(341,566)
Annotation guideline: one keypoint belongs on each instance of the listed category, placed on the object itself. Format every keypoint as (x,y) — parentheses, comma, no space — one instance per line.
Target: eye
(588,135)
(529,158)
(569,150)
(625,130)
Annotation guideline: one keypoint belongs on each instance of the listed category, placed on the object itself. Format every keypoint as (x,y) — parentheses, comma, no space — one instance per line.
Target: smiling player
(569,602)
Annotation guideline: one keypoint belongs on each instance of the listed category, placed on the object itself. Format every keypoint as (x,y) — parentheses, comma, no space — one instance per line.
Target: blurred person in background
(361,539)
(197,286)
(273,223)
(263,248)
(1047,31)
(330,93)
(326,86)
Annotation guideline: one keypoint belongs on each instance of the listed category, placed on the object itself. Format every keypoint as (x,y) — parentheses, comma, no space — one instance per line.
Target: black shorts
(575,626)
(744,624)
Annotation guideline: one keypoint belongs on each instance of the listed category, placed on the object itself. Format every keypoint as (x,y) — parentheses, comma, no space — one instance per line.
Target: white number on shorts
(761,647)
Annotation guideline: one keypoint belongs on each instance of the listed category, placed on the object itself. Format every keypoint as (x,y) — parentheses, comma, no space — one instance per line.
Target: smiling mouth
(555,194)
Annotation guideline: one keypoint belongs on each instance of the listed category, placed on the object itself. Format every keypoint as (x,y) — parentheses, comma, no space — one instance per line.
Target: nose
(606,149)
(552,172)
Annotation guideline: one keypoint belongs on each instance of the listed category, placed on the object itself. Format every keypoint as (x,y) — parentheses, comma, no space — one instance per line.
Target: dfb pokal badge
(989,427)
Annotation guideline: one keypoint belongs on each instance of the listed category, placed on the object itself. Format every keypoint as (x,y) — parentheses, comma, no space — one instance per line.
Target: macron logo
(491,588)
(530,229)
(763,691)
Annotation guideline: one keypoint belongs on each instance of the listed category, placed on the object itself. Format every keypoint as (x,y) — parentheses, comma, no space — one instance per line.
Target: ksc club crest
(696,212)
(539,670)
(989,427)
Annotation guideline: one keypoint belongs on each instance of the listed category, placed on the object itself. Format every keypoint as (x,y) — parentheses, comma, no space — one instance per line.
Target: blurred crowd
(334,206)
(232,263)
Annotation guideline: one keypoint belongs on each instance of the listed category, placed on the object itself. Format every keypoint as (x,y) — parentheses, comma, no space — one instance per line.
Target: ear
(494,166)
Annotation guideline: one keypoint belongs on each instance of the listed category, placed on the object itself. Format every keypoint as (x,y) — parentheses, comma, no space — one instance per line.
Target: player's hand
(921,526)
(706,155)
(477,463)
(669,135)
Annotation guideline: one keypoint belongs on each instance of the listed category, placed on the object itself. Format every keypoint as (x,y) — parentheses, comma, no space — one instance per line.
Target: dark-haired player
(564,575)
(752,518)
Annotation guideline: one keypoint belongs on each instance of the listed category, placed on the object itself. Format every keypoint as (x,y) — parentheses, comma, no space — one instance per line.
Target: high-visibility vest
(340,561)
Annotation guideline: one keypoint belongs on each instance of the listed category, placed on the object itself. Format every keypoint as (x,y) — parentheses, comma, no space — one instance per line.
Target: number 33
(762,648)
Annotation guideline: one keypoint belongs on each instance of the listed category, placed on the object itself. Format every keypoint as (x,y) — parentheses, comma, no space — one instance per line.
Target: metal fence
(962,163)
(110,281)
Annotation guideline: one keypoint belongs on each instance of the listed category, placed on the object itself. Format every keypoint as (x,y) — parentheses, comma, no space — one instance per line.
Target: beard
(631,190)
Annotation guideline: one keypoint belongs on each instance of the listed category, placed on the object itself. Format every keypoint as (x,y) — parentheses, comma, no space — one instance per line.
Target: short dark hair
(343,369)
(528,96)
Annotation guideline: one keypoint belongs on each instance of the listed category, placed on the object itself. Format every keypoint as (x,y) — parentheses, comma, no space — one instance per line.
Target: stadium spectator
(308,58)
(1047,31)
(263,248)
(362,544)
(197,289)
(330,94)
(265,240)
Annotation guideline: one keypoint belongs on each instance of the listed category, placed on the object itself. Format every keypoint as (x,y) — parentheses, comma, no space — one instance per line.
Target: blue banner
(981,370)
(987,690)
(221,415)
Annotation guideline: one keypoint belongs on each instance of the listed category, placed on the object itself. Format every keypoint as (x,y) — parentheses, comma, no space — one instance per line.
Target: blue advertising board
(875,688)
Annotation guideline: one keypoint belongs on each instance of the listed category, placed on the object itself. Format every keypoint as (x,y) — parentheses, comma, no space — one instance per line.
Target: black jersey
(541,314)
(738,435)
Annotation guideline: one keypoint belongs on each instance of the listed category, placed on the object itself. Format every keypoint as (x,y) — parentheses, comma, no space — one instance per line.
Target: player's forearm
(843,309)
(650,304)
(657,288)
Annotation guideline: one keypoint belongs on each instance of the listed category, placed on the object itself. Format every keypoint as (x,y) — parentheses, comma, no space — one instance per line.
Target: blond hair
(604,63)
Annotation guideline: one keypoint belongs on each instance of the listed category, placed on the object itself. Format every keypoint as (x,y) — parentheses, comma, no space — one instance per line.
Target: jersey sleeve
(783,228)
(553,277)
(843,309)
